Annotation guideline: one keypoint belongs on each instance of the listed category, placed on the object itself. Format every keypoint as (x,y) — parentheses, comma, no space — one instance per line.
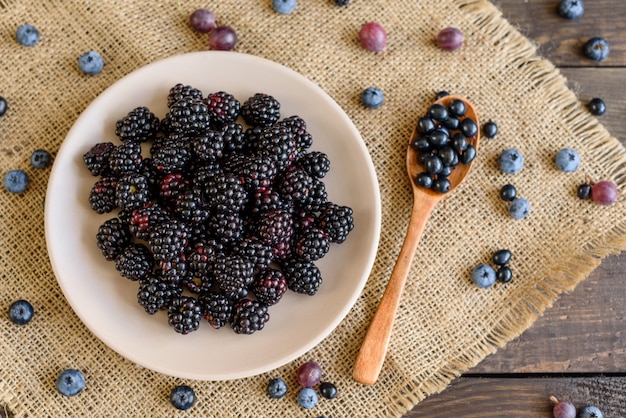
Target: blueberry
(40,158)
(438,112)
(590,412)
(15,181)
(276,388)
(490,129)
(90,63)
(597,106)
(457,107)
(519,208)
(596,48)
(342,3)
(424,180)
(567,160)
(425,125)
(3,106)
(483,276)
(469,154)
(469,127)
(307,398)
(21,312)
(328,390)
(504,274)
(571,9)
(27,35)
(284,6)
(70,382)
(182,397)
(511,161)
(508,192)
(584,191)
(441,185)
(501,257)
(372,97)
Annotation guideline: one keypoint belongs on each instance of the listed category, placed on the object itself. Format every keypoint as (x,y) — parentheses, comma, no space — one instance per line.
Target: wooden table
(577,350)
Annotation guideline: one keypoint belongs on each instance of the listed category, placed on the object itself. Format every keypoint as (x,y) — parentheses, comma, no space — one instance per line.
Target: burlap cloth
(445,324)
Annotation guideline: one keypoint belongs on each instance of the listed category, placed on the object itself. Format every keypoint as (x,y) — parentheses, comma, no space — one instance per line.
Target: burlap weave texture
(445,325)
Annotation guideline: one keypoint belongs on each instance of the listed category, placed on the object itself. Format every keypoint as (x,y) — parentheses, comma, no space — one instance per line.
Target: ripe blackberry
(223,107)
(226,193)
(256,172)
(139,125)
(269,286)
(249,316)
(184,314)
(302,276)
(132,192)
(260,110)
(180,92)
(276,142)
(208,147)
(125,158)
(312,244)
(190,207)
(226,226)
(102,195)
(297,125)
(97,158)
(295,185)
(145,218)
(201,256)
(197,283)
(217,309)
(189,116)
(168,239)
(174,270)
(135,262)
(336,221)
(282,250)
(268,199)
(155,293)
(317,197)
(205,173)
(233,136)
(112,237)
(149,171)
(233,274)
(314,163)
(171,154)
(274,226)
(253,249)
(171,186)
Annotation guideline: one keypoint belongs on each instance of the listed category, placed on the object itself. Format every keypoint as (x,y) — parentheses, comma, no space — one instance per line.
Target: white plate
(106,302)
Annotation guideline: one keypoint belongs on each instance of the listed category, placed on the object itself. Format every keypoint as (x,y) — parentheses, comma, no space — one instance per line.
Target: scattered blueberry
(596,48)
(27,35)
(567,160)
(504,274)
(40,158)
(508,192)
(483,276)
(590,412)
(501,257)
(21,312)
(284,6)
(182,397)
(519,208)
(511,161)
(584,191)
(372,97)
(276,388)
(597,106)
(328,390)
(90,63)
(571,9)
(342,3)
(70,382)
(490,129)
(307,398)
(3,106)
(15,181)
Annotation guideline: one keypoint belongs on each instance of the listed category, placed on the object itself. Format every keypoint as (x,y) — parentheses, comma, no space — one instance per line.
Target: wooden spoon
(372,353)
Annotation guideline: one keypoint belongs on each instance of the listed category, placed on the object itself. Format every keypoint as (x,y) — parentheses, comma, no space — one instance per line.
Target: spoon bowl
(370,359)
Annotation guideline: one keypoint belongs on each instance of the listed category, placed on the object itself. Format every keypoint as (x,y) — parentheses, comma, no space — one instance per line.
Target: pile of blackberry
(216,210)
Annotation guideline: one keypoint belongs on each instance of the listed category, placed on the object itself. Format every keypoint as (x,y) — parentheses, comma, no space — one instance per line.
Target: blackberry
(233,136)
(223,107)
(149,171)
(190,207)
(181,92)
(315,163)
(260,110)
(208,147)
(144,219)
(297,125)
(189,116)
(226,193)
(302,276)
(205,173)
(171,155)
(139,125)
(168,239)
(97,158)
(134,262)
(259,253)
(276,142)
(156,294)
(317,197)
(312,244)
(268,199)
(112,237)
(226,226)
(274,226)
(102,195)
(217,309)
(174,270)
(249,316)
(171,186)
(233,274)
(336,221)
(256,172)
(282,250)
(132,192)
(184,314)
(197,283)
(296,185)
(125,158)
(269,286)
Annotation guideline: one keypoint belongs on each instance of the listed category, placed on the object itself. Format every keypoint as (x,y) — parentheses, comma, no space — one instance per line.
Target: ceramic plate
(106,302)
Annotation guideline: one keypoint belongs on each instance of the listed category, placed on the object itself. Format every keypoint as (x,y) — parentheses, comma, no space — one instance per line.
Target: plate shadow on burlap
(445,325)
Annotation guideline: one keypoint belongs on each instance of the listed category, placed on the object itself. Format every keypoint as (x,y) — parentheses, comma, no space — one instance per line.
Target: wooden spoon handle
(374,347)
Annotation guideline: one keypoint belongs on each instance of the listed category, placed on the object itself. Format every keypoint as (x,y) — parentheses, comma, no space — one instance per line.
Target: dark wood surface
(577,349)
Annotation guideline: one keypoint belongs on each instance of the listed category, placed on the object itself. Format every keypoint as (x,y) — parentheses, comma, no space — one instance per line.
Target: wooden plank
(523,397)
(560,39)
